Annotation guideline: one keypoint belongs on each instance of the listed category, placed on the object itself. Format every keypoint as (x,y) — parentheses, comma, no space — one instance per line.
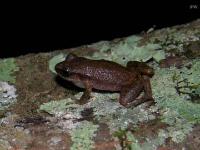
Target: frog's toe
(125,104)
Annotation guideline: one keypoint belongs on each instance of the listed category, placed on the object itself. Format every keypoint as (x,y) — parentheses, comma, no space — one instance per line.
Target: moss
(7,68)
(82,136)
(56,59)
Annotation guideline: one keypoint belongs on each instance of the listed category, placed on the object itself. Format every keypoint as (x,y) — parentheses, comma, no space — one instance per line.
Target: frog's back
(103,71)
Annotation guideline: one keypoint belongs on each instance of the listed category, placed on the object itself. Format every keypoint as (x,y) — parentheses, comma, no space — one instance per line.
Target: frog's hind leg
(148,90)
(129,93)
(147,87)
(147,97)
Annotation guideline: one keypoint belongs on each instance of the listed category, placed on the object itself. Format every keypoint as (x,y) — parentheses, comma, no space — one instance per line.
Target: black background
(43,27)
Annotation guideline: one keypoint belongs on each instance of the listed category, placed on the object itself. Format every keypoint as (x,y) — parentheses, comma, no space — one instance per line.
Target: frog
(104,75)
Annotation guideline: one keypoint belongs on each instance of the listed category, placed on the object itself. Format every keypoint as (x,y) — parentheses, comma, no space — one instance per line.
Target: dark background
(39,28)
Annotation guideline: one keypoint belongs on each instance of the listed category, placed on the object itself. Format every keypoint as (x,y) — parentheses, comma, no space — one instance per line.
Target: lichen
(188,80)
(56,107)
(127,49)
(7,95)
(173,40)
(56,59)
(179,127)
(129,141)
(82,136)
(7,68)
(106,108)
(166,95)
(178,112)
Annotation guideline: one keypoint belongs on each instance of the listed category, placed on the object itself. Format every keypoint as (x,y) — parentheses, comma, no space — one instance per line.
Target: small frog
(106,75)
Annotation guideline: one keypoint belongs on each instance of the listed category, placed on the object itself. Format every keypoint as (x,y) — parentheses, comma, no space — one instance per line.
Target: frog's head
(147,71)
(63,68)
(141,67)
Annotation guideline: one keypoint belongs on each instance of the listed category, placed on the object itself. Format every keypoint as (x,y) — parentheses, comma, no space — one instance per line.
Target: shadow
(68,85)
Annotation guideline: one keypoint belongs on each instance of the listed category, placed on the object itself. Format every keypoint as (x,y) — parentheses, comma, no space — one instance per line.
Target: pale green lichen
(174,40)
(55,60)
(82,136)
(56,107)
(7,68)
(66,112)
(179,127)
(127,49)
(134,144)
(106,108)
(188,80)
(166,94)
(149,144)
(181,114)
(129,141)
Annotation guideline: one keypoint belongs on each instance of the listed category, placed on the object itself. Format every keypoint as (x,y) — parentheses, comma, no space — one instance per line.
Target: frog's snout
(60,70)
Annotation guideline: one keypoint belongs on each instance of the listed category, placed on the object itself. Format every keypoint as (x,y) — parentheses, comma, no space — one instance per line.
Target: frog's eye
(70,57)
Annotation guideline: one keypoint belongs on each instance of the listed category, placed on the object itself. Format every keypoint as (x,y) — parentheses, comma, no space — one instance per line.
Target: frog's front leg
(86,95)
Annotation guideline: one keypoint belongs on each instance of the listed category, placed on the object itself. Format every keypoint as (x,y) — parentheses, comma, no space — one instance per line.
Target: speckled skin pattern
(106,75)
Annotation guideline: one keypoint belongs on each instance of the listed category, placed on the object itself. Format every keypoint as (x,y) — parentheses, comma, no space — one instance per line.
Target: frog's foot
(136,102)
(84,98)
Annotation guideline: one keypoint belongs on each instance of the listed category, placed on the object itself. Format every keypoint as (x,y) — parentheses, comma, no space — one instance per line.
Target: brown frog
(105,75)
